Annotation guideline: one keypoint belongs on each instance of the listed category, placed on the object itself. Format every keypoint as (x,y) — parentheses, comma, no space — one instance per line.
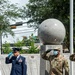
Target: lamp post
(13,26)
(71,35)
(18,23)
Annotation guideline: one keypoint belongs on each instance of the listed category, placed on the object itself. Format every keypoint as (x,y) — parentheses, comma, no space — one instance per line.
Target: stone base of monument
(45,65)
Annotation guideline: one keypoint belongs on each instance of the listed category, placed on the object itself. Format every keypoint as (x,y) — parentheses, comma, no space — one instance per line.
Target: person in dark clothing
(19,66)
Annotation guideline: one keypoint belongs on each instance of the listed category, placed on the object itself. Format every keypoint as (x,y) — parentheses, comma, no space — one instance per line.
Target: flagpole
(71,35)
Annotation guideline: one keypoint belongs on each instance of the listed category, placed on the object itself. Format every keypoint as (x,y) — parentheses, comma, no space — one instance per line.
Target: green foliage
(39,10)
(29,42)
(26,42)
(18,43)
(9,12)
(23,52)
(6,48)
(36,39)
(33,49)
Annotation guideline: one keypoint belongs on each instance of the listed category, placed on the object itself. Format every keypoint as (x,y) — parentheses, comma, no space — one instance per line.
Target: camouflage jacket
(57,64)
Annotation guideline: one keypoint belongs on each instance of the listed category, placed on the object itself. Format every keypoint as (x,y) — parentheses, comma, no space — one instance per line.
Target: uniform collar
(18,56)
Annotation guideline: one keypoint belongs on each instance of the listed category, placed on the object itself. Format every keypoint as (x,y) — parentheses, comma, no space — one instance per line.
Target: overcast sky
(20,31)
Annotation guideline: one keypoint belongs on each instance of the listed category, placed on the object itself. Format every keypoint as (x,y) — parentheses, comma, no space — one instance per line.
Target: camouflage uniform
(56,64)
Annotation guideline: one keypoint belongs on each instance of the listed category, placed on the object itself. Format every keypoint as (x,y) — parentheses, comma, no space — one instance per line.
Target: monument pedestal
(45,65)
(51,33)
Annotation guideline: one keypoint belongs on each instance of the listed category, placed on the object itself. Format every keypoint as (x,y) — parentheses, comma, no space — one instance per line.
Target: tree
(39,10)
(9,12)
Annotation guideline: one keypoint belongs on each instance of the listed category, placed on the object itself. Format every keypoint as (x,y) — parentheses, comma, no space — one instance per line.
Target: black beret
(16,49)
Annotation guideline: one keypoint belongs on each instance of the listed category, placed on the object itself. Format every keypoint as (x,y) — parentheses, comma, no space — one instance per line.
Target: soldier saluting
(57,62)
(19,66)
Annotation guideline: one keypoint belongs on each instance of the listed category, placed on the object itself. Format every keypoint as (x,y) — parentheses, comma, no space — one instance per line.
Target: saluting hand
(10,54)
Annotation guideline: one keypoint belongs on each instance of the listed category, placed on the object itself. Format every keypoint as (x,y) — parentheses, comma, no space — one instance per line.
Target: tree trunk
(0,44)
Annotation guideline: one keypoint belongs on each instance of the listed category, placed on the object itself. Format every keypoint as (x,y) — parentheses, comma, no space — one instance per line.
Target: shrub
(6,48)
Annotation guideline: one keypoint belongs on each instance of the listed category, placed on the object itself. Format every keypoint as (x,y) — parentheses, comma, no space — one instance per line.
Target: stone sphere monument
(51,31)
